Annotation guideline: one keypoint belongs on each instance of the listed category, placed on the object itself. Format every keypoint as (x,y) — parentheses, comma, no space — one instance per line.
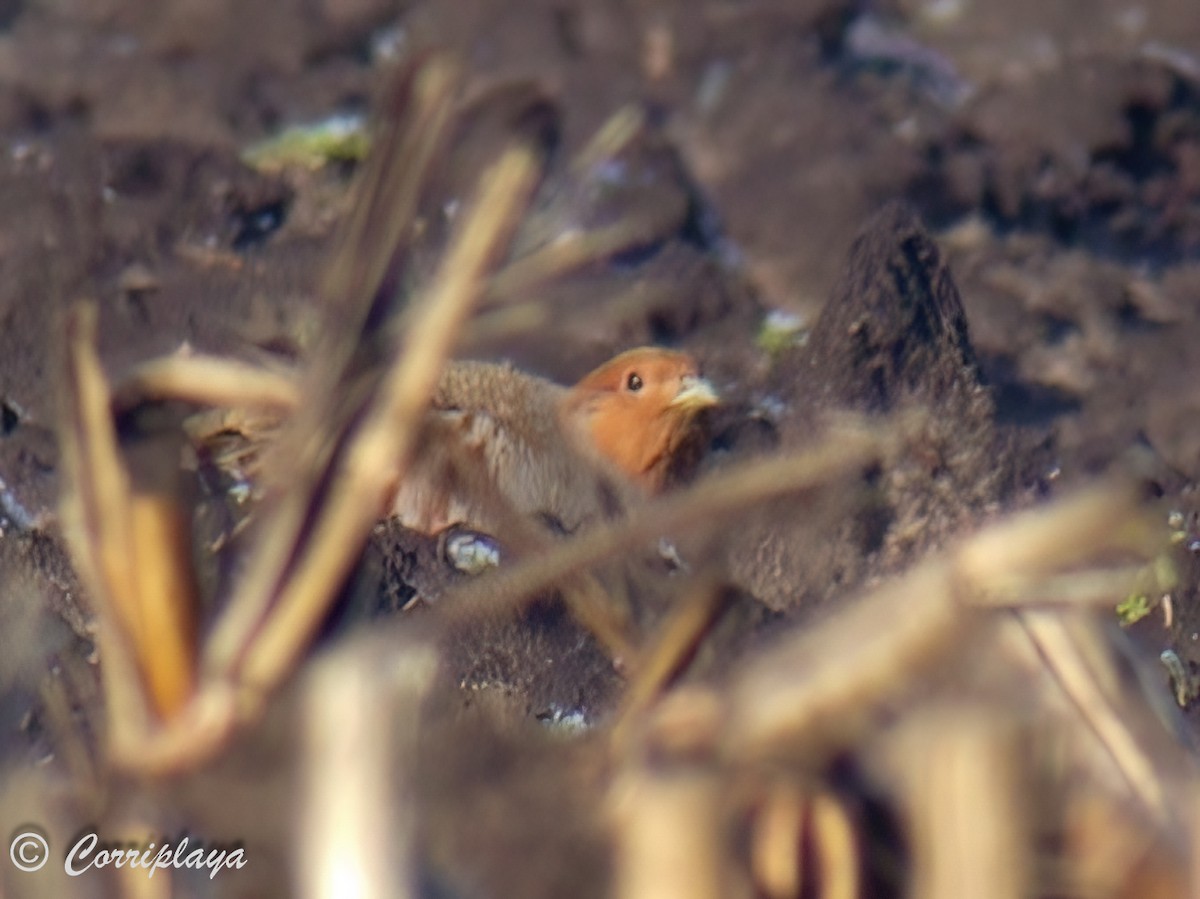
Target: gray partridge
(502,443)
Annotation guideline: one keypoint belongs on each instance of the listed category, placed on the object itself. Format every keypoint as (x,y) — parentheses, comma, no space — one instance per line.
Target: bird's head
(635,410)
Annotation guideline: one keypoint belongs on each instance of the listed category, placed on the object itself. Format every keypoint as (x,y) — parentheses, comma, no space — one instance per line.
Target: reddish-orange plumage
(637,409)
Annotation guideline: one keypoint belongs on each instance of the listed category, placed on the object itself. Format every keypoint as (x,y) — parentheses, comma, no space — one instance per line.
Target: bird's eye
(633,382)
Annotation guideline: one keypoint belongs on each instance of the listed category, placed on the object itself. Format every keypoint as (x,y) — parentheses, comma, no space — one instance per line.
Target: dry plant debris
(311,530)
(965,727)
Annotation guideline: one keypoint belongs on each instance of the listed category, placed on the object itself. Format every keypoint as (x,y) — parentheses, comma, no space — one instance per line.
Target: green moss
(780,331)
(1133,608)
(340,138)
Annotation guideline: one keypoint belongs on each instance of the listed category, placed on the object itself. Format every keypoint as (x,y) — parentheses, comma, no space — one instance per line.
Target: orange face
(637,407)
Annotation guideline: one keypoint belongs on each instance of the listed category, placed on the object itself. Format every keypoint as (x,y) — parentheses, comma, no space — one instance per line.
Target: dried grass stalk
(820,689)
(569,250)
(1086,679)
(607,620)
(964,785)
(380,450)
(208,381)
(417,113)
(1011,558)
(837,849)
(670,842)
(132,552)
(777,840)
(167,588)
(357,832)
(803,842)
(847,449)
(668,652)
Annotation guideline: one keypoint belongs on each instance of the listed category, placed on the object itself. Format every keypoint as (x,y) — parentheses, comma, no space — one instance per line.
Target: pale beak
(694,393)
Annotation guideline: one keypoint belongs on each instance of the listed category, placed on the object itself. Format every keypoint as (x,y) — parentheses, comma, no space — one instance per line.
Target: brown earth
(1053,150)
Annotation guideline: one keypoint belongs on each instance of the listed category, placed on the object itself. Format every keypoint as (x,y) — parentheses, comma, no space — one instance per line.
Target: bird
(504,447)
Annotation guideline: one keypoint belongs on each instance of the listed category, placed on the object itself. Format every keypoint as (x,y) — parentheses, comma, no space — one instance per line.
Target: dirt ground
(1051,149)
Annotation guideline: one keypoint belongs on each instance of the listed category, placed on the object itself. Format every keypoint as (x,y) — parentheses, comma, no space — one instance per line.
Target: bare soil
(1007,195)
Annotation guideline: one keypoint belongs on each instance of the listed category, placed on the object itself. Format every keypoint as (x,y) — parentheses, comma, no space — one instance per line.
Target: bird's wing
(495,450)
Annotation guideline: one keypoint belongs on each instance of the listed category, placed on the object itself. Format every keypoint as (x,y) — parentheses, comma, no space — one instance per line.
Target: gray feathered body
(497,452)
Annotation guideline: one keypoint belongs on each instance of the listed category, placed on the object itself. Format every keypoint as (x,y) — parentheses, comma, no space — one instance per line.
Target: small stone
(137,278)
(472,553)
